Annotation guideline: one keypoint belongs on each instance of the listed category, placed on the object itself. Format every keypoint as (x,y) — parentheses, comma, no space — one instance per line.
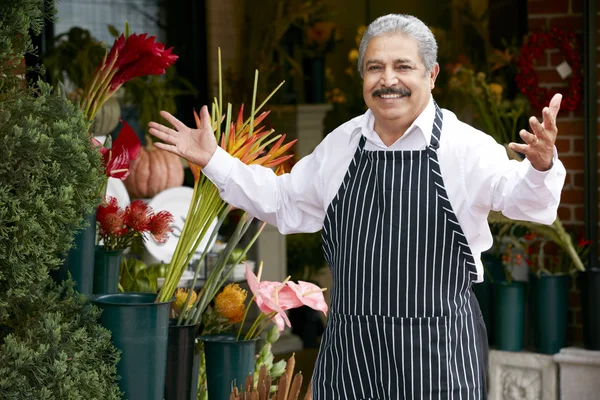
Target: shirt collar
(423,124)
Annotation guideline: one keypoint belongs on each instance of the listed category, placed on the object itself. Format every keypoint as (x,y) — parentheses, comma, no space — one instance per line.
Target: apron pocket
(377,357)
(423,353)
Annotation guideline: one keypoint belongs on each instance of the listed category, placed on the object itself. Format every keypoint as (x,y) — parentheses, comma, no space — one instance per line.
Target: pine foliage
(51,344)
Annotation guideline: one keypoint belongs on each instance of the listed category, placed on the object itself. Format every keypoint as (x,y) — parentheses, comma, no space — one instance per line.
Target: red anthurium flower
(125,149)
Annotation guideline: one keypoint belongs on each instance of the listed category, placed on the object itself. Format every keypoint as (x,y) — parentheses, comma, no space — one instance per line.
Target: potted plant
(550,279)
(509,298)
(230,356)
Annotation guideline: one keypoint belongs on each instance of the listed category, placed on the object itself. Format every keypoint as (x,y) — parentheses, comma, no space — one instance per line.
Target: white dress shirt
(477,174)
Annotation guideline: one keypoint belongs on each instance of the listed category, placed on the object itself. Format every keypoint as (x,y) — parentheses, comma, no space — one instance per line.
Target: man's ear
(433,75)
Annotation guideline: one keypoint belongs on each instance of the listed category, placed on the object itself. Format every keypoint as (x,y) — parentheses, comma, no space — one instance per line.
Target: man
(401,194)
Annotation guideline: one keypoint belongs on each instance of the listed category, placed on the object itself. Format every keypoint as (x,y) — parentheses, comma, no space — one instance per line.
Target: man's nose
(389,78)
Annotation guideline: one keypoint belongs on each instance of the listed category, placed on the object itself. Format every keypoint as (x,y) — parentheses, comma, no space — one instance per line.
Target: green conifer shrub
(51,344)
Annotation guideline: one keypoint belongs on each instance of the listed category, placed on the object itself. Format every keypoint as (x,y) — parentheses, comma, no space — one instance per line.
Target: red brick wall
(568,16)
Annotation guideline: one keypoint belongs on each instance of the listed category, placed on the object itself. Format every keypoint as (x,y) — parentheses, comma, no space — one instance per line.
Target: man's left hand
(539,145)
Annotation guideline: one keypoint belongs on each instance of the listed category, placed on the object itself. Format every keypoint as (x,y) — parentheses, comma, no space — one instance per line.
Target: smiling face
(396,85)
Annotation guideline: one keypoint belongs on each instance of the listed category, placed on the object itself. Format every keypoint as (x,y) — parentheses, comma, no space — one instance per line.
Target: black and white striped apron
(403,322)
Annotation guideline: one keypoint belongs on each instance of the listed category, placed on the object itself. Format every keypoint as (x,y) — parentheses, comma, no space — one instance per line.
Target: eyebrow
(396,61)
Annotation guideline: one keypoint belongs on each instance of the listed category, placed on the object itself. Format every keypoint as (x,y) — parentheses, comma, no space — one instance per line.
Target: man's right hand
(195,145)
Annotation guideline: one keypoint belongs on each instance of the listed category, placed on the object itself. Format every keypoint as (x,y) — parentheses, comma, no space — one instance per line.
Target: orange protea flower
(250,144)
(230,303)
(180,297)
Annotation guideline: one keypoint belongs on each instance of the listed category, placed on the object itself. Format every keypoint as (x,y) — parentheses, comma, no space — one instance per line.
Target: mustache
(391,90)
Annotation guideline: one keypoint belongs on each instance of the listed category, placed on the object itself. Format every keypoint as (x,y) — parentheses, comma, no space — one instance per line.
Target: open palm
(195,145)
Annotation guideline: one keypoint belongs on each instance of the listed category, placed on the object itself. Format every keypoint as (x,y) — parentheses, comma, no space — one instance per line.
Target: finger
(163,128)
(177,124)
(527,137)
(205,118)
(520,148)
(168,147)
(555,105)
(162,135)
(549,120)
(537,128)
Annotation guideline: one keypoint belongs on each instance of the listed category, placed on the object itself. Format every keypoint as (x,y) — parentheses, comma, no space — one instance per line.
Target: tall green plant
(51,345)
(555,233)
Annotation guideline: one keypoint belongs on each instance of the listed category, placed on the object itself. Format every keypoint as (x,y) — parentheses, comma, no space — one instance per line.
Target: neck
(390,133)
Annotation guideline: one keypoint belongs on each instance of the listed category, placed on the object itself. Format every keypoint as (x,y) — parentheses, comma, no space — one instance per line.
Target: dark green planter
(107,265)
(589,282)
(227,360)
(181,381)
(140,330)
(483,292)
(80,259)
(549,311)
(509,315)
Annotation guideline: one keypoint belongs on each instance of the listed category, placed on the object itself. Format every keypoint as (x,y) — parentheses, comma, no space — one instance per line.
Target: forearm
(289,202)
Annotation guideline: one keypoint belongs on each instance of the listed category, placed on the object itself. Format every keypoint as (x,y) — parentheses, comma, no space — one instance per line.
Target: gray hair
(406,24)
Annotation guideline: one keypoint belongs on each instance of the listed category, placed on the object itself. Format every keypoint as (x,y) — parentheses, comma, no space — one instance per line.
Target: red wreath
(533,49)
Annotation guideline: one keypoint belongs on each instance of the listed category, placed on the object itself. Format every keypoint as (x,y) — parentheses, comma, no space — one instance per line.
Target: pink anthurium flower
(309,295)
(267,299)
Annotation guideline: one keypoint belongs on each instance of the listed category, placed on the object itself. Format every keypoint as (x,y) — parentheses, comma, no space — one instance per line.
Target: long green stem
(253,104)
(265,325)
(261,106)
(244,318)
(250,244)
(202,257)
(255,324)
(212,282)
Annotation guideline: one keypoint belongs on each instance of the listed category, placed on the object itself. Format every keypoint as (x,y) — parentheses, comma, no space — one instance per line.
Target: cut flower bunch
(273,300)
(118,227)
(252,144)
(130,56)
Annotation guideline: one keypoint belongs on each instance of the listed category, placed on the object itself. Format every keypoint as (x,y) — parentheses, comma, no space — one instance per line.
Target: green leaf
(114,32)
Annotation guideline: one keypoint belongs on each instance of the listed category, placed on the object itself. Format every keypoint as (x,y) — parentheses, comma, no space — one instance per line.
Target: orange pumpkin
(152,172)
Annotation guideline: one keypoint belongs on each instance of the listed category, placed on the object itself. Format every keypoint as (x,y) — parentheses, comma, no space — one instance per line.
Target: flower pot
(227,361)
(509,315)
(107,264)
(483,292)
(181,382)
(549,309)
(80,259)
(589,282)
(140,330)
